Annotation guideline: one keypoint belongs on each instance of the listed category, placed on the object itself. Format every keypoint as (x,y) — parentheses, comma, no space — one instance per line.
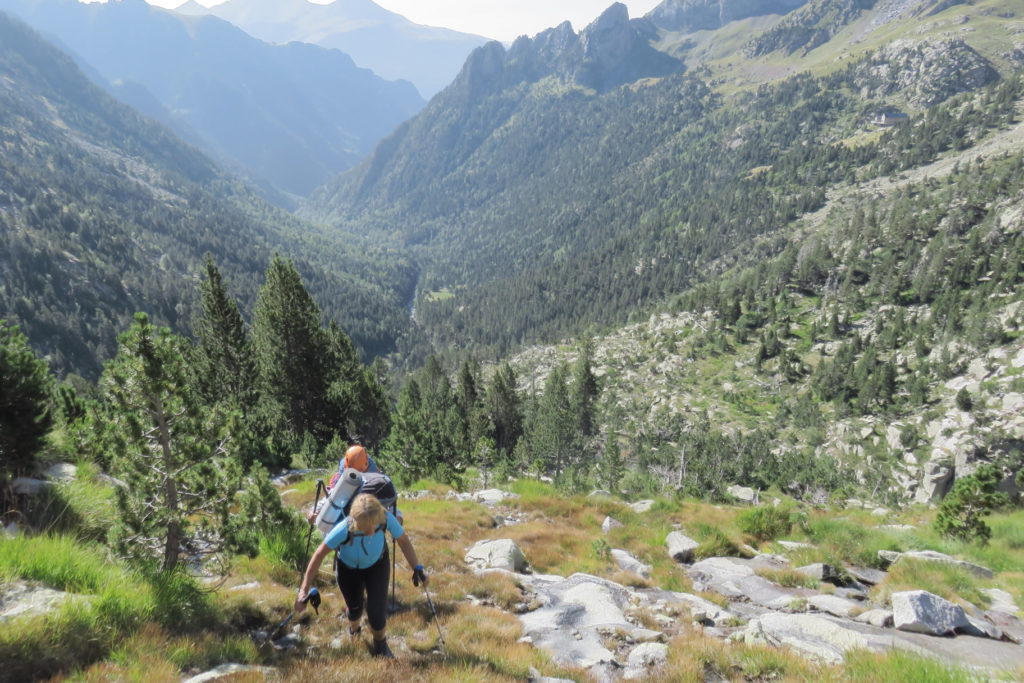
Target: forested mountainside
(104,213)
(287,116)
(541,199)
(388,43)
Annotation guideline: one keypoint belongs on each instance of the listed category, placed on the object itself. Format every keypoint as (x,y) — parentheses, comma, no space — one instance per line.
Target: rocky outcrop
(892,557)
(922,612)
(924,73)
(609,52)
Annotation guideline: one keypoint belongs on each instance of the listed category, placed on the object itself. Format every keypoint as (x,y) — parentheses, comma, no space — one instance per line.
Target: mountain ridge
(386,42)
(313,110)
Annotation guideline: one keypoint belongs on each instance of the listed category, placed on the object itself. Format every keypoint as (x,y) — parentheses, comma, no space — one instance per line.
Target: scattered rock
(598,493)
(879,618)
(225,670)
(497,554)
(866,575)
(610,523)
(923,612)
(61,472)
(246,586)
(628,563)
(26,486)
(641,506)
(644,658)
(794,545)
(815,637)
(681,547)
(743,494)
(834,605)
(824,572)
(18,599)
(1001,601)
(493,496)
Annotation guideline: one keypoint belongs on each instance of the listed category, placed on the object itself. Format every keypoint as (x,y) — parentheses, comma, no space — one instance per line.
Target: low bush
(765,523)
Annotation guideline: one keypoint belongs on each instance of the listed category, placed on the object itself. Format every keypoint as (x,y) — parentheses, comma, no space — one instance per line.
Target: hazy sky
(508,19)
(501,19)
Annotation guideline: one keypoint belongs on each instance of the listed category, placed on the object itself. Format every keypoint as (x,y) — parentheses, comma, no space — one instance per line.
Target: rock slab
(923,612)
(681,547)
(497,554)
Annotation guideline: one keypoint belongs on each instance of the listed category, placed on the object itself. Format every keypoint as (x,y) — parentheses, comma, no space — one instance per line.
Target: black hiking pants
(371,582)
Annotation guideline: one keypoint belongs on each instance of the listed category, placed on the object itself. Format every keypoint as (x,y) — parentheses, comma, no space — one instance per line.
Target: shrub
(764,523)
(960,515)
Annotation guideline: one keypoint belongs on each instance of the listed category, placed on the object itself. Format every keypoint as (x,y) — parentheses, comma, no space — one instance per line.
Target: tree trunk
(172,543)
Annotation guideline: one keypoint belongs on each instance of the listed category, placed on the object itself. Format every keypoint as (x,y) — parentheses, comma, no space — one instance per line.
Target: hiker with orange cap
(358,459)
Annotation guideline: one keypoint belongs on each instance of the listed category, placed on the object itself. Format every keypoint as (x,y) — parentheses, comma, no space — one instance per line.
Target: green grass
(905,667)
(110,603)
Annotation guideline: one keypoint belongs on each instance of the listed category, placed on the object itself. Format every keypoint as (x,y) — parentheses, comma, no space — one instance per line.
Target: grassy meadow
(130,624)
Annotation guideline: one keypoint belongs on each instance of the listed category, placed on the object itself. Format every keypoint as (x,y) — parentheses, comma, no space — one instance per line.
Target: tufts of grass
(765,523)
(947,581)
(788,578)
(61,562)
(846,541)
(899,665)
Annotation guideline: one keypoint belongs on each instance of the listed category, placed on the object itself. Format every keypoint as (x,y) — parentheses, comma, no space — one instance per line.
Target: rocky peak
(609,52)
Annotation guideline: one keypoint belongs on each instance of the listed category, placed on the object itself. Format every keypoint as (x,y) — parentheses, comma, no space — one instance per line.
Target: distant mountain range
(388,43)
(289,116)
(104,212)
(574,177)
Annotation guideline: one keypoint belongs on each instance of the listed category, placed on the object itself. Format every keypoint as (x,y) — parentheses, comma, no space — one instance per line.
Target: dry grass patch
(499,588)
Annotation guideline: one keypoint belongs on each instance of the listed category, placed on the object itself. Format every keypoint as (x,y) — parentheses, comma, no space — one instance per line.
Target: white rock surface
(641,506)
(834,605)
(923,612)
(610,523)
(879,618)
(680,547)
(627,562)
(493,496)
(497,554)
(815,637)
(743,494)
(644,659)
(61,472)
(225,670)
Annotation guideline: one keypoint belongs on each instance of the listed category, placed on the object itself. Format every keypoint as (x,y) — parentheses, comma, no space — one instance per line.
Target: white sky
(501,19)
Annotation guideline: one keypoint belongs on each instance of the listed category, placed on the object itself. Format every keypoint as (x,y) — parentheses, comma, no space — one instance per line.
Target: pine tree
(171,451)
(291,350)
(972,497)
(555,435)
(584,389)
(25,410)
(223,364)
(504,409)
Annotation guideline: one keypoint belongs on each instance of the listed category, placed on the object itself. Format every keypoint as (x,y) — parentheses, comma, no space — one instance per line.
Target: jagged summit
(607,53)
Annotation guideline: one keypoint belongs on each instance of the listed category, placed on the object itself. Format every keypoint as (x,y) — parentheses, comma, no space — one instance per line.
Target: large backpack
(338,503)
(380,486)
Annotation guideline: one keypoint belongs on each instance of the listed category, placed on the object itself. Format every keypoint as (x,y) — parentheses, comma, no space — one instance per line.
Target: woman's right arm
(310,575)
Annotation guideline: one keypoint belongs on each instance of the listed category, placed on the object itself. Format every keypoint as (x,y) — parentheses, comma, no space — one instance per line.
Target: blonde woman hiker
(361,566)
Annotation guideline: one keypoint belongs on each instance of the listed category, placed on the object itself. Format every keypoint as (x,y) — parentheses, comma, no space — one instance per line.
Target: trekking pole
(316,501)
(432,611)
(313,598)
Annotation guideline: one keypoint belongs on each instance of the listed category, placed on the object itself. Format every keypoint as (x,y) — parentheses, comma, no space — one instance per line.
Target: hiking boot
(381,649)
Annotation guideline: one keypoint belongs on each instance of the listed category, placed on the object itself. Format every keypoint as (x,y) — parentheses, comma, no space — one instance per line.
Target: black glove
(418,575)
